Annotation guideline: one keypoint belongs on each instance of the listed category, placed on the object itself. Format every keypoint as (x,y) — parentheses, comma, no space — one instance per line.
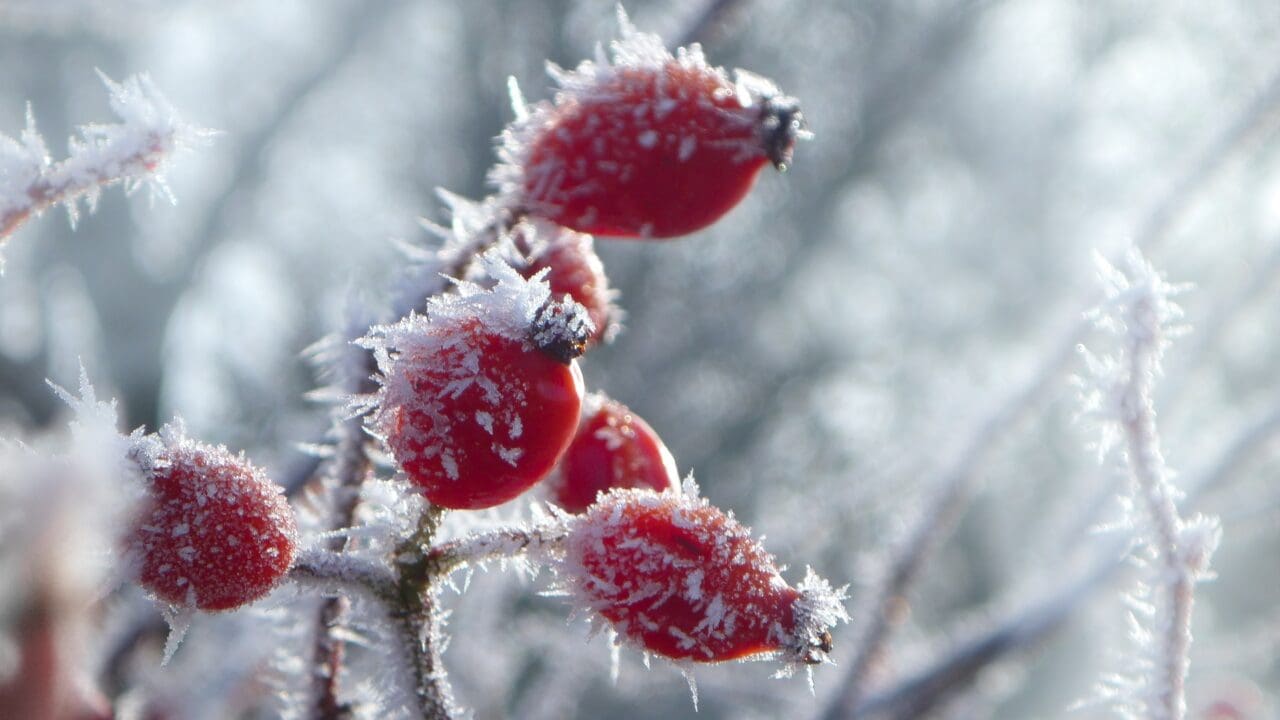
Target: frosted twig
(334,572)
(499,544)
(1140,310)
(132,152)
(419,618)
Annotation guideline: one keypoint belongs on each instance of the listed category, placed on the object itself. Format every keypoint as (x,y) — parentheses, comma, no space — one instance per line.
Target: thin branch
(131,152)
(499,544)
(1181,556)
(419,617)
(961,664)
(1254,120)
(334,572)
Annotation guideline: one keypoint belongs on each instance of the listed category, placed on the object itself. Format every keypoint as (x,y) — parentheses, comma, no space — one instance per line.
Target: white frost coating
(687,145)
(133,152)
(508,308)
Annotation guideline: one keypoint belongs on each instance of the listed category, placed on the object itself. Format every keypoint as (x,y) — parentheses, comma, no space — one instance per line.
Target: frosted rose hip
(679,578)
(614,448)
(573,269)
(214,533)
(649,146)
(481,396)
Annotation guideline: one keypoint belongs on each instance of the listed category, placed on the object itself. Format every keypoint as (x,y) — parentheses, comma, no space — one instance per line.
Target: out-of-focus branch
(1254,120)
(941,514)
(956,669)
(350,467)
(708,23)
(248,171)
(134,151)
(1181,556)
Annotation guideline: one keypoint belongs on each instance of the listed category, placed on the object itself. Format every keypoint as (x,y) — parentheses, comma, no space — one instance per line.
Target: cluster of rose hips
(480,397)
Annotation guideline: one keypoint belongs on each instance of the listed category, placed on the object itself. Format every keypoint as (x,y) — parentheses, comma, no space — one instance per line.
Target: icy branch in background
(133,152)
(1140,313)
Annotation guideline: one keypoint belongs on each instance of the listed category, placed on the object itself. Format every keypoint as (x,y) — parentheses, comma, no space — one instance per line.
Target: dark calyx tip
(781,125)
(561,329)
(818,649)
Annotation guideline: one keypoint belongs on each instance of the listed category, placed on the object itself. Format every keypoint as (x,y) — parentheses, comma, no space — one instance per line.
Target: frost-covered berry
(215,533)
(677,577)
(614,448)
(480,396)
(573,269)
(649,145)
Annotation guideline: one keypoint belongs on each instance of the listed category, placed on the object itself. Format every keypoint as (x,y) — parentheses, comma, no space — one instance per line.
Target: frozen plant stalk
(1139,311)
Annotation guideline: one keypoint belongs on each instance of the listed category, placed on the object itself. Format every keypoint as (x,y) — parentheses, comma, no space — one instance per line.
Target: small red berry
(573,269)
(215,533)
(614,448)
(650,146)
(481,396)
(679,578)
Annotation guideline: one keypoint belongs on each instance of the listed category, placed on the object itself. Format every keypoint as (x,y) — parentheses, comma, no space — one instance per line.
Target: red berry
(614,448)
(573,269)
(215,532)
(680,578)
(650,146)
(481,396)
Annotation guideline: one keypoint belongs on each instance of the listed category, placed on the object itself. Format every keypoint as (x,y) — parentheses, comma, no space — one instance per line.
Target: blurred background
(875,347)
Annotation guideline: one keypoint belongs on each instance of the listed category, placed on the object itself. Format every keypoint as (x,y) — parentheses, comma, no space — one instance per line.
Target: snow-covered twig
(1140,311)
(134,152)
(500,544)
(418,614)
(336,572)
